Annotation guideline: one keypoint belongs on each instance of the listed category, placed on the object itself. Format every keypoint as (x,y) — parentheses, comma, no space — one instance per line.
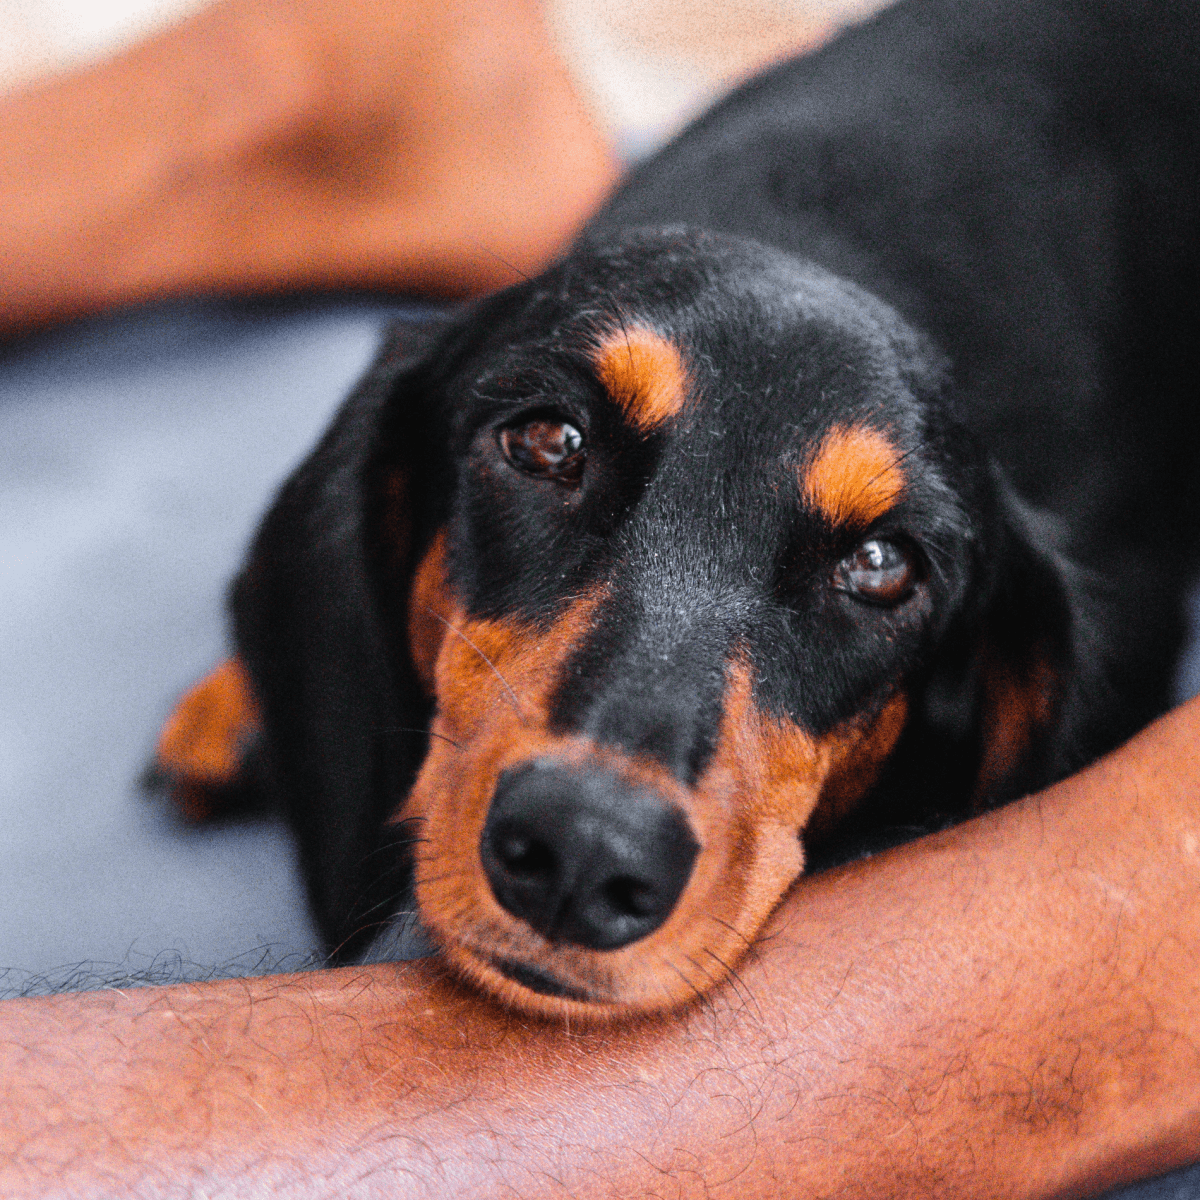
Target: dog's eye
(545,447)
(879,571)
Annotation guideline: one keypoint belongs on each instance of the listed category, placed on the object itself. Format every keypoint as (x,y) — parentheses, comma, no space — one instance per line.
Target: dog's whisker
(898,461)
(699,968)
(747,942)
(426,880)
(616,308)
(416,729)
(738,984)
(699,994)
(517,271)
(404,839)
(495,670)
(390,904)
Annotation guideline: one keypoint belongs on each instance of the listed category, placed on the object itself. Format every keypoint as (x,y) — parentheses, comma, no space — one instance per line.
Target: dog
(838,484)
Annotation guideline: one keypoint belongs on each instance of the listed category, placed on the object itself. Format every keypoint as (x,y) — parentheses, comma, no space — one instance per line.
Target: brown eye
(545,447)
(879,572)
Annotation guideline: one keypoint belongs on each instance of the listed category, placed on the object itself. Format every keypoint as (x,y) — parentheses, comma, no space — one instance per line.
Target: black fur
(973,224)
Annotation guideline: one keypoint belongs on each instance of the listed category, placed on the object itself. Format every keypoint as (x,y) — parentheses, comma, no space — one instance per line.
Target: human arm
(271,144)
(1005,1009)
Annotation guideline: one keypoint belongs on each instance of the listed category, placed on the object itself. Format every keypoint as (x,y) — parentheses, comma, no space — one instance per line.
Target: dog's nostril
(523,854)
(582,857)
(630,897)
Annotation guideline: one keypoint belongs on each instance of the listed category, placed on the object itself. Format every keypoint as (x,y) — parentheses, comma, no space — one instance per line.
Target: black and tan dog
(841,479)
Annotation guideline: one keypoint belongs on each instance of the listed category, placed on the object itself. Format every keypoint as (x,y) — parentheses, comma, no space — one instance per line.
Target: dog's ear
(1029,657)
(1026,686)
(999,708)
(1069,660)
(343,712)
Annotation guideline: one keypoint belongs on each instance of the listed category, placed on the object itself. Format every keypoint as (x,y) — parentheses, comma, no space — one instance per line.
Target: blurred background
(645,66)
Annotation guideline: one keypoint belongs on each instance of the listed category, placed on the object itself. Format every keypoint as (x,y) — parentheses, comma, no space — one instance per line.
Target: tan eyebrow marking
(854,476)
(644,373)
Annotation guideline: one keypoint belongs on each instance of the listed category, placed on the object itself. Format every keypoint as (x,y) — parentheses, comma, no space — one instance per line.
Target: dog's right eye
(546,448)
(880,572)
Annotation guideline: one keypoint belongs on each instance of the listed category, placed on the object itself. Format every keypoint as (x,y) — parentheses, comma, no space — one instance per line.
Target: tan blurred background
(644,65)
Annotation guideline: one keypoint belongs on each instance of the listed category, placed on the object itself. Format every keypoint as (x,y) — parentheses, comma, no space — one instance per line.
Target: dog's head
(681,543)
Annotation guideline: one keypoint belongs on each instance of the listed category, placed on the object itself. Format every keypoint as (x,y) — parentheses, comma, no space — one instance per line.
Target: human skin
(1006,1009)
(269,144)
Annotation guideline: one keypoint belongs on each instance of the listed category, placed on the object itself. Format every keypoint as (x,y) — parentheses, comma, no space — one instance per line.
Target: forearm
(1003,1010)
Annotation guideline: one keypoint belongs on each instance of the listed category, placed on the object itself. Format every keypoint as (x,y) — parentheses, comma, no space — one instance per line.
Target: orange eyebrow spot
(644,373)
(854,476)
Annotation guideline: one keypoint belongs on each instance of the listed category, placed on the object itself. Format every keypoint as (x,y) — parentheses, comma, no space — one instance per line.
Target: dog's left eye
(544,447)
(879,571)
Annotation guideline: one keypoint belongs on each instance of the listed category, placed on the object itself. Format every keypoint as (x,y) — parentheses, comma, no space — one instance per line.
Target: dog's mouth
(539,981)
(601,953)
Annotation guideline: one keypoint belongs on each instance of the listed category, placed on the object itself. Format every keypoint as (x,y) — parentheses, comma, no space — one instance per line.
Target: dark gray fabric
(136,453)
(1179,1185)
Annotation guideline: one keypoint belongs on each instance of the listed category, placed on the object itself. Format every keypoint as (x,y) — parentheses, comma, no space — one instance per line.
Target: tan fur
(854,477)
(1017,703)
(644,374)
(430,606)
(202,745)
(868,745)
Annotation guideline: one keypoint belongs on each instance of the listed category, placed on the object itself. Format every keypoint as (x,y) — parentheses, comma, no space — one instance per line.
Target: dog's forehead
(736,331)
(803,384)
(732,356)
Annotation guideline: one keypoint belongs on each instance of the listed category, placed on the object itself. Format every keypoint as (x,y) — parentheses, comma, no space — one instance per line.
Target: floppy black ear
(1032,659)
(1051,665)
(342,710)
(1047,665)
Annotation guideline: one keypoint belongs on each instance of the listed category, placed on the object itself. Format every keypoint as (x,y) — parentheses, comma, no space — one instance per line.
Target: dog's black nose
(582,856)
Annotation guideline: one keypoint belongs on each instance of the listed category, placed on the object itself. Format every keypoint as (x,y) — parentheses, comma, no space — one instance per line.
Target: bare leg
(269,144)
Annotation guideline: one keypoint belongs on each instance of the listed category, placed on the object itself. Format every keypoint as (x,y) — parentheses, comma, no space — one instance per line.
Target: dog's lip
(538,980)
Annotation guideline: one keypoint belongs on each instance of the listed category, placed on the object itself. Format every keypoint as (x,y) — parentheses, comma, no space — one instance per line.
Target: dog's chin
(584,989)
(537,984)
(535,989)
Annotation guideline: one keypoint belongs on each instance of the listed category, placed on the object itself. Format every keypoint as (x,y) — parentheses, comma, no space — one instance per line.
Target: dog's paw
(205,746)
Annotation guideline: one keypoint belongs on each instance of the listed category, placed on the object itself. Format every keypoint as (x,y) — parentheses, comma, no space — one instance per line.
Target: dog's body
(844,467)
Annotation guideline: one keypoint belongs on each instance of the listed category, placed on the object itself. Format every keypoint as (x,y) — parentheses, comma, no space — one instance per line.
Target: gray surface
(136,455)
(1179,1185)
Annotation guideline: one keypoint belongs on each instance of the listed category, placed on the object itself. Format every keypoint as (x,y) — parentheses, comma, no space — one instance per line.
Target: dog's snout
(582,856)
